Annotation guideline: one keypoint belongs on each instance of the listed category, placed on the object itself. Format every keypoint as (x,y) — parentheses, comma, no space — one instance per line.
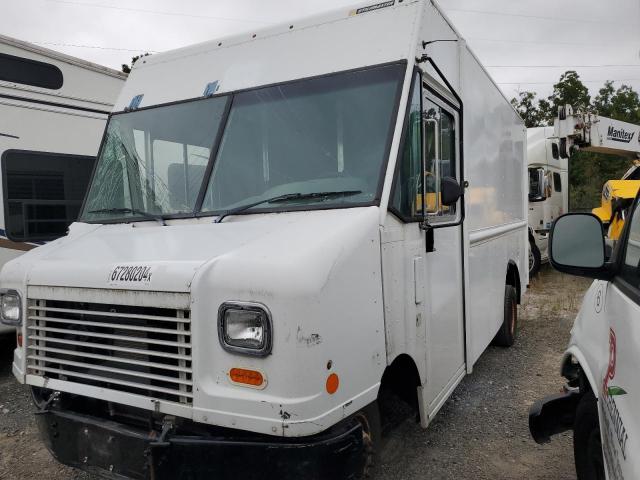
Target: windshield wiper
(135,211)
(284,198)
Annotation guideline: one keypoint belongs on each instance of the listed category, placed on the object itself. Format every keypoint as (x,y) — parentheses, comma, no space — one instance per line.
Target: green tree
(527,106)
(127,68)
(568,91)
(621,104)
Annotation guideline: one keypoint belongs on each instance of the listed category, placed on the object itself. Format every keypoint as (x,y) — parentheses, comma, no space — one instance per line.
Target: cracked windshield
(323,139)
(153,161)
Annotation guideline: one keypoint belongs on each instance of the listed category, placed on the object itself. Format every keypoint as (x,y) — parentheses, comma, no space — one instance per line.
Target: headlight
(245,328)
(10,308)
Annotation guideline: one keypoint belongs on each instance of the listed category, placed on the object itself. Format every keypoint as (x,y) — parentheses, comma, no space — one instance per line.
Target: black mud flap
(112,450)
(553,415)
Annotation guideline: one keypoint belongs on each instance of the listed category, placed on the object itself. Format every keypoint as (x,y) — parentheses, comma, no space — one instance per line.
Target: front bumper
(552,415)
(116,451)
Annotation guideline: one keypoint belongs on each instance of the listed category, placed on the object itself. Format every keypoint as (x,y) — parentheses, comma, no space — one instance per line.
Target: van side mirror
(577,246)
(450,191)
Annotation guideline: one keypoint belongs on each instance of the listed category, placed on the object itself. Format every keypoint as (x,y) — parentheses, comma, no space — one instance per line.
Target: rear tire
(587,443)
(535,259)
(506,336)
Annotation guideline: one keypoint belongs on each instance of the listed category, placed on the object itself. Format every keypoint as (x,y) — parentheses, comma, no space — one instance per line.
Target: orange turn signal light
(246,377)
(333,382)
(19,339)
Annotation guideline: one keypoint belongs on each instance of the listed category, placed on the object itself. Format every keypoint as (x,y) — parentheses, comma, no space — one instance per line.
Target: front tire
(535,260)
(506,336)
(587,443)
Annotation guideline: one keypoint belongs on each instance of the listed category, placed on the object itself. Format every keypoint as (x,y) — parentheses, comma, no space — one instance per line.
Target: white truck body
(48,123)
(350,291)
(600,402)
(548,185)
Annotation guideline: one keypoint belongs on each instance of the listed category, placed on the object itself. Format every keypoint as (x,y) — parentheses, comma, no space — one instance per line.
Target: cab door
(422,269)
(619,404)
(444,295)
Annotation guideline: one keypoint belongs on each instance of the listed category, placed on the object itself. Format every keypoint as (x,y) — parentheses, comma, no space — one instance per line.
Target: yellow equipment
(617,197)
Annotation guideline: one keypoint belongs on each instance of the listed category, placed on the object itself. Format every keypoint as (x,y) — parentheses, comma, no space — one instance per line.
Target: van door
(620,383)
(424,290)
(443,267)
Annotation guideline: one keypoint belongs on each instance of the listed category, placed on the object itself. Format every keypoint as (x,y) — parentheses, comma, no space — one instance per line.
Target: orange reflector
(248,377)
(333,382)
(19,339)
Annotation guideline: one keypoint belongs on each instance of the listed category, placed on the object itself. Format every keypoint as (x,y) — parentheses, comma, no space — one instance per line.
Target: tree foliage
(127,68)
(588,171)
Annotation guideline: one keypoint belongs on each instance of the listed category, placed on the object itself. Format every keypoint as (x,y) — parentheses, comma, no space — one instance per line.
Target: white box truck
(281,228)
(548,175)
(53,109)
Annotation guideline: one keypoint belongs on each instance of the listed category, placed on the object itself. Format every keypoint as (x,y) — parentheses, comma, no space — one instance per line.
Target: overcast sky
(524,44)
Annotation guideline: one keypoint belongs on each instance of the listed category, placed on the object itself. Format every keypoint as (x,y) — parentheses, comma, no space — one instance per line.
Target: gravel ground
(480,433)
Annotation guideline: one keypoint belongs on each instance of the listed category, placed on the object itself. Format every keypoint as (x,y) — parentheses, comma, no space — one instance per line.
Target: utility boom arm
(589,131)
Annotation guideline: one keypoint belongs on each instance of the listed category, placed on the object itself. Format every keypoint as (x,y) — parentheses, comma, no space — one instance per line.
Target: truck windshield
(153,161)
(319,135)
(326,134)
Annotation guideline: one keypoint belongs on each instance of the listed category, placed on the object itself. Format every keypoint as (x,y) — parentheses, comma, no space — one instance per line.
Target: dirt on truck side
(480,433)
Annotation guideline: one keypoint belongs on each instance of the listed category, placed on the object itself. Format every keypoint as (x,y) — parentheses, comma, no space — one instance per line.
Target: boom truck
(591,132)
(284,228)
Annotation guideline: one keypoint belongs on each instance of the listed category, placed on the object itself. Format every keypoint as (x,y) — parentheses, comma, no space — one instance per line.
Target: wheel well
(513,278)
(400,381)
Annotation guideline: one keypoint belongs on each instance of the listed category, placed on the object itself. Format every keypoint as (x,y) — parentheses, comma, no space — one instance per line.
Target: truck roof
(342,39)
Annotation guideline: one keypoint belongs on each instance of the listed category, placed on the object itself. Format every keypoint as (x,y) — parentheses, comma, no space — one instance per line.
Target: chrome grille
(134,349)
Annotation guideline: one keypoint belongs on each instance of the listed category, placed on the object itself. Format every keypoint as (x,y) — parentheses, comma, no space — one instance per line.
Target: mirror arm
(428,234)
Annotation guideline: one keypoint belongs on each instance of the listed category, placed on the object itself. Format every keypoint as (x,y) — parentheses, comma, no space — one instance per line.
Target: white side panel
(488,260)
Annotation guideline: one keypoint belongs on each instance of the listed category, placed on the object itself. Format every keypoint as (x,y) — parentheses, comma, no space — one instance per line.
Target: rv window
(43,193)
(407,191)
(29,72)
(557,182)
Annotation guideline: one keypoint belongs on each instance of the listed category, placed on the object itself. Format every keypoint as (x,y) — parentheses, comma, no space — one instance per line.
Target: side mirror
(450,191)
(577,246)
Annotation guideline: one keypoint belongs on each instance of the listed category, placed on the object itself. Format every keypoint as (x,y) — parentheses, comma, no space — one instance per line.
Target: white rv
(282,226)
(53,109)
(548,191)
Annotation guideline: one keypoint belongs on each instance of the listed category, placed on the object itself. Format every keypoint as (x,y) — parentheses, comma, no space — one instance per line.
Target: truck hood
(148,256)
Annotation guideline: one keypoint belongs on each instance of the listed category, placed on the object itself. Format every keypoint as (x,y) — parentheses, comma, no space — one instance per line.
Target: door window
(440,155)
(557,182)
(407,191)
(631,266)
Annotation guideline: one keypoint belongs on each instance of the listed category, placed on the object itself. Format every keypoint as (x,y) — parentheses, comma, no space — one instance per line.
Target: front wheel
(587,444)
(534,258)
(506,336)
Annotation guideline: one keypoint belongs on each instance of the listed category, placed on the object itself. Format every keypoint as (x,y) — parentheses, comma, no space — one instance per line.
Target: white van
(600,401)
(282,226)
(53,109)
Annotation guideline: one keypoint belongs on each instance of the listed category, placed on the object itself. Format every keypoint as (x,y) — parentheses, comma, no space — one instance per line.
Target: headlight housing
(10,308)
(245,327)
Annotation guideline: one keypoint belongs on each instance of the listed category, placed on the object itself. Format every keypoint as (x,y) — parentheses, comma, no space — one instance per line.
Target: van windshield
(325,134)
(154,160)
